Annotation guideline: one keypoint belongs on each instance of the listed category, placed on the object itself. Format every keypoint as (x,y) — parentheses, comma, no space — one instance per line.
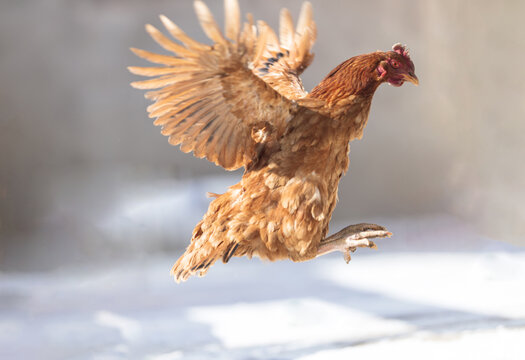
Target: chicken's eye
(394,64)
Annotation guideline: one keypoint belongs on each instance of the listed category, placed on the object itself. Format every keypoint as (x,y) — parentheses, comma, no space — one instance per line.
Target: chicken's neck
(356,76)
(347,93)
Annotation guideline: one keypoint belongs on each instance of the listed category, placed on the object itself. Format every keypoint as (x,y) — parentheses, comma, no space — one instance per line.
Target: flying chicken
(240,103)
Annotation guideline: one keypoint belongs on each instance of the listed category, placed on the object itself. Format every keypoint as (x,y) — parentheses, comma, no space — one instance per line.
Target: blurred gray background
(85,176)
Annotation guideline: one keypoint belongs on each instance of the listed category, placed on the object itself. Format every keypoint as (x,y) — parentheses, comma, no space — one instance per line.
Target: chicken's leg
(352,237)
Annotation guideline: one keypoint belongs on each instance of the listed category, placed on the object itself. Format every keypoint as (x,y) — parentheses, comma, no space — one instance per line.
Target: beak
(412,78)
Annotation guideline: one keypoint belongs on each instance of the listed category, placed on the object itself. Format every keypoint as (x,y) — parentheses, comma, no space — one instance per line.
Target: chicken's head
(397,67)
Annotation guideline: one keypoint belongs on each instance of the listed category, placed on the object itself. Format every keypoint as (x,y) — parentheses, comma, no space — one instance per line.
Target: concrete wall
(76,146)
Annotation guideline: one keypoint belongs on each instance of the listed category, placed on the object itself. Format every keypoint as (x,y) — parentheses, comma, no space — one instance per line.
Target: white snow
(495,344)
(442,304)
(291,321)
(129,329)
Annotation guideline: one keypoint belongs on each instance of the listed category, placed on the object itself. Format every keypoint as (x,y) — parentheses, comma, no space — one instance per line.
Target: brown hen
(240,103)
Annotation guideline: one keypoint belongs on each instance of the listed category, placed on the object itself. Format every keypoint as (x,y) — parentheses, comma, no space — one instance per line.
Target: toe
(370,234)
(371,227)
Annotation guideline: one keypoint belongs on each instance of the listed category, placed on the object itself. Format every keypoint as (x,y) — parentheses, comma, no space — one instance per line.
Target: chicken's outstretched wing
(217,100)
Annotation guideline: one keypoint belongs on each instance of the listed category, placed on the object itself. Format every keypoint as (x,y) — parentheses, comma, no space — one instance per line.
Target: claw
(350,238)
(347,255)
(353,243)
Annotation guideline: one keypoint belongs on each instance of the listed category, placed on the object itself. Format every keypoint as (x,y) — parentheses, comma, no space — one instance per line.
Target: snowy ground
(412,305)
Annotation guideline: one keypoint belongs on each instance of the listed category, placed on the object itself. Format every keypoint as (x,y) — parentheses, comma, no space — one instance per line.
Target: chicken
(240,103)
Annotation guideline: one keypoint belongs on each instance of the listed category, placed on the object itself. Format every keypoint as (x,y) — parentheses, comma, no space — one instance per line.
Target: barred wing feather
(215,100)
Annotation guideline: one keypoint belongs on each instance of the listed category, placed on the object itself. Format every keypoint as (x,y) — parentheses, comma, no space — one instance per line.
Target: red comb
(401,50)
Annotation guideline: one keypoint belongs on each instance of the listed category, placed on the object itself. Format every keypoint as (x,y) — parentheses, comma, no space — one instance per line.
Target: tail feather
(229,253)
(199,257)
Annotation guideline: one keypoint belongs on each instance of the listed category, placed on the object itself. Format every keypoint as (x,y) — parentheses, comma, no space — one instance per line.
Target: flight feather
(216,100)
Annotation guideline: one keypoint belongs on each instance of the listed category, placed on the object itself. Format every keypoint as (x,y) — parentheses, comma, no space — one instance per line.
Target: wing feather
(260,45)
(305,18)
(232,19)
(159,59)
(272,42)
(207,131)
(167,81)
(286,29)
(167,44)
(208,99)
(211,144)
(282,64)
(180,35)
(249,33)
(305,33)
(208,23)
(156,71)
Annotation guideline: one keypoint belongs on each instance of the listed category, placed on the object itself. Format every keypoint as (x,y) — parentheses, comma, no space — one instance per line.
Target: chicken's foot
(352,237)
